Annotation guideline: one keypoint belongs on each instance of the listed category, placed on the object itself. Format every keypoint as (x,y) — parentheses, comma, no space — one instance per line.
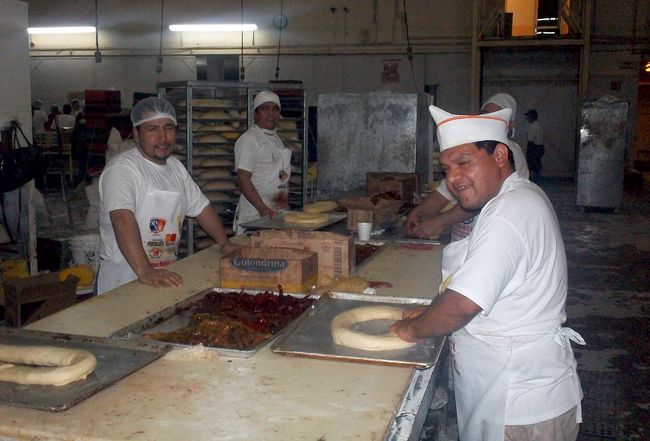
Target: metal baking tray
(310,336)
(115,360)
(178,315)
(277,223)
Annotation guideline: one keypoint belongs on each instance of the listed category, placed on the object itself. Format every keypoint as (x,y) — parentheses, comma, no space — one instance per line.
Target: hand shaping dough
(52,366)
(343,334)
(302,218)
(320,207)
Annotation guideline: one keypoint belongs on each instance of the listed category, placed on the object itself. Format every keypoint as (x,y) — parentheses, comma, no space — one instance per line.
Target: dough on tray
(302,218)
(44,365)
(320,207)
(343,334)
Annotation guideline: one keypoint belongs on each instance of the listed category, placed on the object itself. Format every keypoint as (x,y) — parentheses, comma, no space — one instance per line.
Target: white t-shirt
(130,182)
(535,133)
(39,118)
(463,229)
(515,269)
(65,121)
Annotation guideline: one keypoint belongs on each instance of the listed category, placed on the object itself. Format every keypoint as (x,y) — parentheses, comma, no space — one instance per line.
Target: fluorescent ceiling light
(63,30)
(212,27)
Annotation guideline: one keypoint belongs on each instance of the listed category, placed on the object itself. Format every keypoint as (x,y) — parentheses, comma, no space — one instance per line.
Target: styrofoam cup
(363,231)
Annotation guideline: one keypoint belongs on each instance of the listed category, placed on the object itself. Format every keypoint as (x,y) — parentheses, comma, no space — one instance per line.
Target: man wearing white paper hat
(503,295)
(263,164)
(431,216)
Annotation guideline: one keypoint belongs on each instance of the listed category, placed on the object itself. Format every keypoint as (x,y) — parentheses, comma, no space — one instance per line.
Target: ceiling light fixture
(212,27)
(62,30)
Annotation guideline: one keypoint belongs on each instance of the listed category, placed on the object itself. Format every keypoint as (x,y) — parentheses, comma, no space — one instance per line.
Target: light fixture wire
(159,62)
(242,73)
(277,62)
(409,48)
(98,54)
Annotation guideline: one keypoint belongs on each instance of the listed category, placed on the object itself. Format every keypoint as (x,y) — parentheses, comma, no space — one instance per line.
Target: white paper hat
(455,130)
(265,96)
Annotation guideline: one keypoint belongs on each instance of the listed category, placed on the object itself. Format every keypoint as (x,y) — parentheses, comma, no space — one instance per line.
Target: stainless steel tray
(177,316)
(277,223)
(310,336)
(115,360)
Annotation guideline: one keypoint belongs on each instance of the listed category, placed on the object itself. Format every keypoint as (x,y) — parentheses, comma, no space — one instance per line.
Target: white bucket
(85,249)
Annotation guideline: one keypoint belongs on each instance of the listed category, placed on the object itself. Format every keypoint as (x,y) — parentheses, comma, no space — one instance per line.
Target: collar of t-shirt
(267,131)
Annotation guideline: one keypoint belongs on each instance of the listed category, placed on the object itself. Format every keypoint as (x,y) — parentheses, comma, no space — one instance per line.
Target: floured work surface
(115,360)
(277,223)
(233,323)
(310,335)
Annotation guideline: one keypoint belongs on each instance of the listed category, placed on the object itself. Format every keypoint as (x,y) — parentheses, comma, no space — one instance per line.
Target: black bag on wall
(18,165)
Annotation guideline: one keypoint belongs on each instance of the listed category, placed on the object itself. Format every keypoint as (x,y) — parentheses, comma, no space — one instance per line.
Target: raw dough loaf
(218,196)
(51,365)
(218,185)
(320,207)
(302,218)
(343,334)
(212,137)
(216,127)
(215,173)
(214,162)
(231,136)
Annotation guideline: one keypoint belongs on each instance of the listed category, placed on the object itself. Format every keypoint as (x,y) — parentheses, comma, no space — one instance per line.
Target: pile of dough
(50,365)
(320,207)
(302,218)
(343,334)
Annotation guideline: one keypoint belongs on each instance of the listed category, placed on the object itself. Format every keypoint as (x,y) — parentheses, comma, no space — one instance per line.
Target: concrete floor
(608,303)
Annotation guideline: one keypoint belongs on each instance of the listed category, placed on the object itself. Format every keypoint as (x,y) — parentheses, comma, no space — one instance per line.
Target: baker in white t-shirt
(145,194)
(426,220)
(263,164)
(503,294)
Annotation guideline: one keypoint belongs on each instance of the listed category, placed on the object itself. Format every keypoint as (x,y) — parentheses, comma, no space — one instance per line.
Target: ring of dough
(320,207)
(302,218)
(51,365)
(343,334)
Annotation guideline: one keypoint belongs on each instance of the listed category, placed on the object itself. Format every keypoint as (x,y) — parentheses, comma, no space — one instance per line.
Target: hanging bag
(18,164)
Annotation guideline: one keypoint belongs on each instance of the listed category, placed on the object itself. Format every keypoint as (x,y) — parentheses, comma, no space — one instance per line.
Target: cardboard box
(335,251)
(266,268)
(383,213)
(400,185)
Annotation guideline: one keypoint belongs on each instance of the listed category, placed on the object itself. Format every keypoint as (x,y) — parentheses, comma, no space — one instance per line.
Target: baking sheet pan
(178,315)
(115,360)
(277,223)
(310,336)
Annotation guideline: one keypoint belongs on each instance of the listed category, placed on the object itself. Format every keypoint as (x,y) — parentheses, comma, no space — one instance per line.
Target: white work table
(265,397)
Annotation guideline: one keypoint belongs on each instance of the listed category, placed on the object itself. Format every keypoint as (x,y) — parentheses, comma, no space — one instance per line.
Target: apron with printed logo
(159,219)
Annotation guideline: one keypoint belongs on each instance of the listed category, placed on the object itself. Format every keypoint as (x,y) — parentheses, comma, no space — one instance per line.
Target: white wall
(15,98)
(339,52)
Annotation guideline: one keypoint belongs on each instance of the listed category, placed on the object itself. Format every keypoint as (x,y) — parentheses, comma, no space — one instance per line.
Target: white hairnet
(152,108)
(504,101)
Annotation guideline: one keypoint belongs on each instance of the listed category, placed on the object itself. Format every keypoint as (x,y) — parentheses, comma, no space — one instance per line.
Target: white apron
(273,190)
(159,220)
(482,365)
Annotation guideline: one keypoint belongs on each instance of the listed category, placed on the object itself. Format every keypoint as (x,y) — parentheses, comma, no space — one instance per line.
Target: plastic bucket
(85,249)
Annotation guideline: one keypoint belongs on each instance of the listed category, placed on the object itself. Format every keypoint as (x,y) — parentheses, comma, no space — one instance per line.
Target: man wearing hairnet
(426,220)
(145,193)
(263,164)
(503,295)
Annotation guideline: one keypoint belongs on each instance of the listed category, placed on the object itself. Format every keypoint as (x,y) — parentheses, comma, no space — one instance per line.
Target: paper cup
(363,231)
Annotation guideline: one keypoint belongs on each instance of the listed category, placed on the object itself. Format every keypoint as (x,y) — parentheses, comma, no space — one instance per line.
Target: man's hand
(428,229)
(266,211)
(412,221)
(160,277)
(229,247)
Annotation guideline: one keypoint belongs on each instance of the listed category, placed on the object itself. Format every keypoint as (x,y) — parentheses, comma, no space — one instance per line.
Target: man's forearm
(129,240)
(250,192)
(211,224)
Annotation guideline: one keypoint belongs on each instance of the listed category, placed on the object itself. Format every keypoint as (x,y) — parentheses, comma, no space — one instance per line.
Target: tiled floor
(609,304)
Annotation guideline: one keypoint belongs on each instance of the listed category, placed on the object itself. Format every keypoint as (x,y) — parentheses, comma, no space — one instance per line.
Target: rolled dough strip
(212,137)
(50,365)
(217,196)
(216,162)
(216,128)
(215,173)
(302,218)
(219,185)
(343,334)
(320,207)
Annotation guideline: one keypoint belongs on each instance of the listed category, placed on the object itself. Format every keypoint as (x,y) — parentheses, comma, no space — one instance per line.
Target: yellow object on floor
(85,274)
